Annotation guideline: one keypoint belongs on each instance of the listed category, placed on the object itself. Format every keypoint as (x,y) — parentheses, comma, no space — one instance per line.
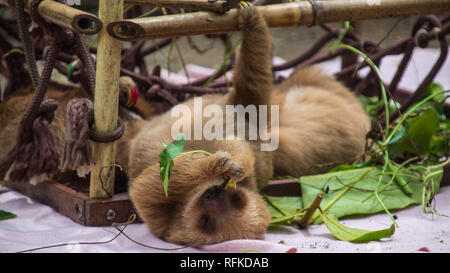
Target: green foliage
(166,159)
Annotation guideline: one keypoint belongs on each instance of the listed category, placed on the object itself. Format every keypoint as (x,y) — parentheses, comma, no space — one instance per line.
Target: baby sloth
(321,125)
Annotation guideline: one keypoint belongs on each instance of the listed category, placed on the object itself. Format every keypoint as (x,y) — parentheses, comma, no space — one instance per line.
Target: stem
(169,56)
(224,63)
(196,151)
(378,73)
(342,193)
(148,13)
(400,181)
(252,250)
(440,165)
(183,63)
(386,160)
(336,44)
(315,204)
(393,176)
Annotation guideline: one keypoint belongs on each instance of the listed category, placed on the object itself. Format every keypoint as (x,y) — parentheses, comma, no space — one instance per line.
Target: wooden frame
(76,205)
(301,13)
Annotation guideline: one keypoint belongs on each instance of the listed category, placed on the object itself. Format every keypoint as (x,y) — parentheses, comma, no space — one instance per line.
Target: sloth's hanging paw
(248,15)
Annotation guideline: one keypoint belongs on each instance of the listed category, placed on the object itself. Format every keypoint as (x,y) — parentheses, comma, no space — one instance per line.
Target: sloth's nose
(214,201)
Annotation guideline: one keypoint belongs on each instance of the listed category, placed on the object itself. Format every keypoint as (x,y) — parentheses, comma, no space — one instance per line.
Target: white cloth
(37,225)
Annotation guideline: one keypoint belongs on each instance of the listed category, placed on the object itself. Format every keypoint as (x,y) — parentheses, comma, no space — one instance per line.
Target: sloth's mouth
(216,200)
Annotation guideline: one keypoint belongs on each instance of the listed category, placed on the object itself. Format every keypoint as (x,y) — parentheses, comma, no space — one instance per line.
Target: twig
(306,219)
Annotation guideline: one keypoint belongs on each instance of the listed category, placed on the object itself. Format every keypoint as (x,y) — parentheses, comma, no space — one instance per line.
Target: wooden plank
(63,199)
(76,205)
(108,211)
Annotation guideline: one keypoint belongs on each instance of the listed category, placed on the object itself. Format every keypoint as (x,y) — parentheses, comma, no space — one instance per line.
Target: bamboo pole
(106,101)
(218,6)
(65,16)
(302,13)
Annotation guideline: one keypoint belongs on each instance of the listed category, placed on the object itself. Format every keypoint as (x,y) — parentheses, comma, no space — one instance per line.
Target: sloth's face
(215,204)
(213,214)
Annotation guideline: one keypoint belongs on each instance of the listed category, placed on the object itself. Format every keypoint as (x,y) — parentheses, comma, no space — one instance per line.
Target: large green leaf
(354,235)
(351,192)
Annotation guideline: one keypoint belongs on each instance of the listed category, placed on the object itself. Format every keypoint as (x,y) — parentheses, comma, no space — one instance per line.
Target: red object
(292,250)
(424,249)
(134,95)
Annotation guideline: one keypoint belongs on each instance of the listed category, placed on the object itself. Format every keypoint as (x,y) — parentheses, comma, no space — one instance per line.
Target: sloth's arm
(252,74)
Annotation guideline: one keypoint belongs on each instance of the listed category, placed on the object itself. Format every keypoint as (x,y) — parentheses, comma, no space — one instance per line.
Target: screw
(110,214)
(79,210)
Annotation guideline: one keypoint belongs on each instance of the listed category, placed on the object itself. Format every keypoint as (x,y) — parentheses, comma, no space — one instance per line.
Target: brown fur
(321,125)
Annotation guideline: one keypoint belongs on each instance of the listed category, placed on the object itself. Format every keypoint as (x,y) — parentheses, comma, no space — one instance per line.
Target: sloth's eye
(237,200)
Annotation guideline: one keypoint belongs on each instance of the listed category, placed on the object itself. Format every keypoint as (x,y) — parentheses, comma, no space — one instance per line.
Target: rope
(28,50)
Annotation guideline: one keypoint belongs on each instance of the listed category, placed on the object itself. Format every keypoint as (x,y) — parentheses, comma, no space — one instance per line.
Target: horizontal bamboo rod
(292,14)
(218,6)
(65,16)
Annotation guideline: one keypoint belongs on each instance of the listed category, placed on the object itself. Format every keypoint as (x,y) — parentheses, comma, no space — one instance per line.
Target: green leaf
(351,192)
(435,88)
(6,215)
(400,135)
(371,105)
(354,235)
(166,159)
(288,204)
(418,135)
(439,146)
(283,209)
